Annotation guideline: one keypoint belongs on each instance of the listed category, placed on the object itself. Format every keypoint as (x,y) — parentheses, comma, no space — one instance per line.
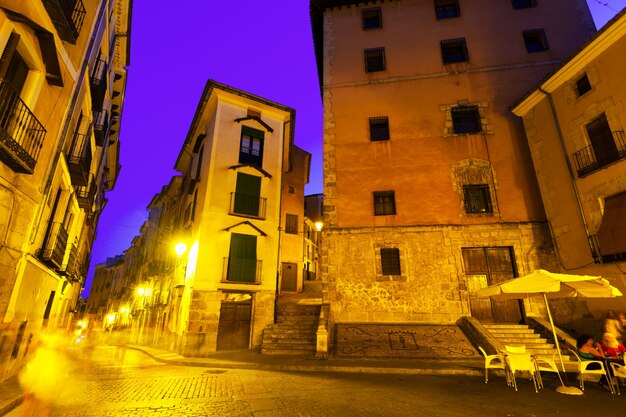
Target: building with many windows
(62,82)
(429,187)
(574,120)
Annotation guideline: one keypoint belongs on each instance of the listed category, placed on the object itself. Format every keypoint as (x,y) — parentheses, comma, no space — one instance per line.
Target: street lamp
(180,248)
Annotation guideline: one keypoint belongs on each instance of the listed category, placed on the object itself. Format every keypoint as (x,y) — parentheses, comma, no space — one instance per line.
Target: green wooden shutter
(247,195)
(7,54)
(242,258)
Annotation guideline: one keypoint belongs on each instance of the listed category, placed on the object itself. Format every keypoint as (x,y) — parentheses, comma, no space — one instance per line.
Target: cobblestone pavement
(120,382)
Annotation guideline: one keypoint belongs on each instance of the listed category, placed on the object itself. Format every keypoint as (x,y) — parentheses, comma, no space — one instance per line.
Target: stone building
(574,120)
(62,82)
(429,187)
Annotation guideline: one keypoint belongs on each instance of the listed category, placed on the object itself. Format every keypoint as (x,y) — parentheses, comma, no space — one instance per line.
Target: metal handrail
(55,244)
(587,161)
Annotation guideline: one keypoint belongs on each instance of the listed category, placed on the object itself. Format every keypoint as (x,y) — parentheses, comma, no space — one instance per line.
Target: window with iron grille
(535,40)
(445,9)
(251,149)
(477,198)
(466,119)
(372,18)
(390,261)
(454,50)
(524,4)
(583,85)
(379,128)
(291,223)
(384,203)
(374,59)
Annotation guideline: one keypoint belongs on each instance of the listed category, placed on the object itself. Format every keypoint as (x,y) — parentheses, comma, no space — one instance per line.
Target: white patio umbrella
(541,283)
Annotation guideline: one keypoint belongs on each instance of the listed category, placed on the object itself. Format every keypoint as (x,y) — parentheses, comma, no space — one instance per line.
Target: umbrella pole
(563,389)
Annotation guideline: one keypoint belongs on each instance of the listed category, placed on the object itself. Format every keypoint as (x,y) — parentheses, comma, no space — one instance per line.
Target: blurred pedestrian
(612,325)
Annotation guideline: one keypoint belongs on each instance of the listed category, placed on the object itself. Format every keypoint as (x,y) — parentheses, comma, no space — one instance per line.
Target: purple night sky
(265,48)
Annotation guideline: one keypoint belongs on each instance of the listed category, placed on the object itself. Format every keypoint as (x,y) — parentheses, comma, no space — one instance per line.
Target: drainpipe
(570,171)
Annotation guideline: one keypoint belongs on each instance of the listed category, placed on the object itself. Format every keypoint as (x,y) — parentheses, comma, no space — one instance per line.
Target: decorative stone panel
(475,171)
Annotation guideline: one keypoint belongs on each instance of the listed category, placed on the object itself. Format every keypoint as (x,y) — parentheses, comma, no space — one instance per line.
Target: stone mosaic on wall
(402,341)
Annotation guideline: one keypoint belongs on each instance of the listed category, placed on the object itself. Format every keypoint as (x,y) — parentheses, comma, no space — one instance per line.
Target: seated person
(611,347)
(587,351)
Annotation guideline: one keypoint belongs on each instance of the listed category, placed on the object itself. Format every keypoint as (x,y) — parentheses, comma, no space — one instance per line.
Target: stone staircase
(295,331)
(520,334)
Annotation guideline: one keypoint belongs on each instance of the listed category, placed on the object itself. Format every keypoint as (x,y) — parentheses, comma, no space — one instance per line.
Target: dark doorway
(489,266)
(234,326)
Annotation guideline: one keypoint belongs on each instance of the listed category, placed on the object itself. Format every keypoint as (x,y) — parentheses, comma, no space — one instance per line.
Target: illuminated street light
(319,225)
(180,248)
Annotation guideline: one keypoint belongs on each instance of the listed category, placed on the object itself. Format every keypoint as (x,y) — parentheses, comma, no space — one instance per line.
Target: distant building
(429,187)
(62,83)
(574,120)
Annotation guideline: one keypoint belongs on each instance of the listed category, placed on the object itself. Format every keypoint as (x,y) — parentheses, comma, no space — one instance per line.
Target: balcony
(589,159)
(79,158)
(241,270)
(100,126)
(85,194)
(98,83)
(72,269)
(21,134)
(247,205)
(67,17)
(54,246)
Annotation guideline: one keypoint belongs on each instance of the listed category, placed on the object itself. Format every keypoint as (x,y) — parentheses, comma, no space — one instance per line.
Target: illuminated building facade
(429,187)
(574,121)
(62,82)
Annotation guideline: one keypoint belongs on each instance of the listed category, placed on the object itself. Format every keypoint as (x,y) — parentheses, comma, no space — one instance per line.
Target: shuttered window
(247,195)
(291,223)
(242,258)
(390,261)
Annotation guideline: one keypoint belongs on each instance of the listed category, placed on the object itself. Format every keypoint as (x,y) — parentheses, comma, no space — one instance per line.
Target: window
(291,223)
(374,59)
(445,9)
(454,50)
(535,40)
(477,199)
(602,141)
(583,85)
(251,149)
(379,128)
(247,195)
(372,18)
(390,261)
(242,262)
(524,4)
(384,203)
(466,119)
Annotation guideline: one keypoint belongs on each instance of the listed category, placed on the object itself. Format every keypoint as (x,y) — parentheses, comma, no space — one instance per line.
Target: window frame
(384,203)
(477,199)
(390,262)
(533,38)
(379,128)
(246,153)
(454,51)
(523,4)
(585,85)
(444,7)
(458,124)
(374,21)
(291,223)
(369,55)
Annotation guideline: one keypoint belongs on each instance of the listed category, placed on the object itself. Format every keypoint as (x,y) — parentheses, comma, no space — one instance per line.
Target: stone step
(293,325)
(505,326)
(290,352)
(521,341)
(292,335)
(297,319)
(298,310)
(274,341)
(529,335)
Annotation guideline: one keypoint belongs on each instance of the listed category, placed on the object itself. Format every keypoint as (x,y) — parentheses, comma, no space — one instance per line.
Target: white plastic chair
(521,361)
(619,372)
(545,364)
(492,362)
(583,369)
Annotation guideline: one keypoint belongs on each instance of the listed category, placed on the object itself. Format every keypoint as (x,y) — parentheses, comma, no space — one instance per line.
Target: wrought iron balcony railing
(248,205)
(589,159)
(241,270)
(72,269)
(21,134)
(85,194)
(98,83)
(67,17)
(100,126)
(79,158)
(55,245)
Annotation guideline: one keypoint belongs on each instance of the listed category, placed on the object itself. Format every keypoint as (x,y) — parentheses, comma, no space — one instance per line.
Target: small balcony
(55,245)
(247,205)
(79,158)
(241,270)
(589,159)
(100,126)
(98,83)
(67,17)
(21,134)
(85,194)
(72,269)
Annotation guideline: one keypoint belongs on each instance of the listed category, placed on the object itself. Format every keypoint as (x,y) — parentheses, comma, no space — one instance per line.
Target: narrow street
(126,382)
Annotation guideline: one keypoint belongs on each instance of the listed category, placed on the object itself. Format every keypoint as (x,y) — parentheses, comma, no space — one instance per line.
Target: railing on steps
(321,351)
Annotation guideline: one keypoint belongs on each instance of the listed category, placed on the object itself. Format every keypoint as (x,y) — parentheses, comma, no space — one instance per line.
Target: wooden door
(289,277)
(489,266)
(234,326)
